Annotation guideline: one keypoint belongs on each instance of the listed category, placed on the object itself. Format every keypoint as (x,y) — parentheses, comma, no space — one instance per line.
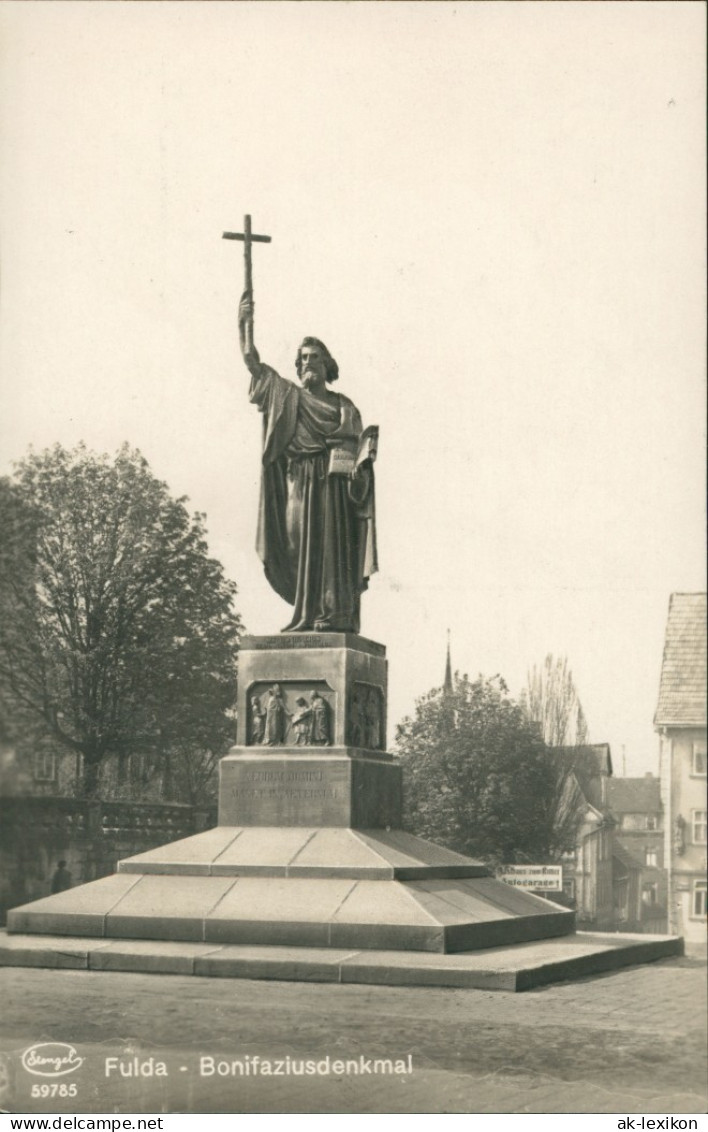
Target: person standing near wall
(62,878)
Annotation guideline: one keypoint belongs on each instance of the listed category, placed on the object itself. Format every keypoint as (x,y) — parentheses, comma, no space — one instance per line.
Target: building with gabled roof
(615,872)
(630,796)
(682,689)
(680,720)
(639,876)
(587,866)
(592,770)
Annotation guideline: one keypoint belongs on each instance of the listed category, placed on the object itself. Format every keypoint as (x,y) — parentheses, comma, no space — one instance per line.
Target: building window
(652,823)
(699,759)
(621,898)
(634,821)
(650,895)
(651,857)
(698,901)
(700,822)
(44,766)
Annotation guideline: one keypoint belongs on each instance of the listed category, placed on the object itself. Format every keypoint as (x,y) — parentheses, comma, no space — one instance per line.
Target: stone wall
(91,836)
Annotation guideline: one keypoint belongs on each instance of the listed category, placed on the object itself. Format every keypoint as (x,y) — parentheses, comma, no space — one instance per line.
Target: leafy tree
(21,730)
(552,700)
(118,630)
(478,777)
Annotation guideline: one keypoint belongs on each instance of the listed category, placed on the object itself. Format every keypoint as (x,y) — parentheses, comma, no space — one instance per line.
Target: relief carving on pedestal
(296,715)
(257,718)
(365,720)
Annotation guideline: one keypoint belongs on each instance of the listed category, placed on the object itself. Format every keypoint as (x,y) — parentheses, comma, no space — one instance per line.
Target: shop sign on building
(548,878)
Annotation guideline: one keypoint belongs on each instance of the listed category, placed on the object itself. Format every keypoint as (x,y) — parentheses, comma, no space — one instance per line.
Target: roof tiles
(682,690)
(634,795)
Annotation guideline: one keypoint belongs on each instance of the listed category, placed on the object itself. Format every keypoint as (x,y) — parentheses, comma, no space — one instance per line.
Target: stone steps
(304,852)
(337,888)
(508,968)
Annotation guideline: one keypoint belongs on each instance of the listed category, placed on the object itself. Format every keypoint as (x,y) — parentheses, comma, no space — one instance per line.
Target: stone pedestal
(308,852)
(288,770)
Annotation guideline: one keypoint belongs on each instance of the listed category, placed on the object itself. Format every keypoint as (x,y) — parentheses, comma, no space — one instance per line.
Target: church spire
(447,684)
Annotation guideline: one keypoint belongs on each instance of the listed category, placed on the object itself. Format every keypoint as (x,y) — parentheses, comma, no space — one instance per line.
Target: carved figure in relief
(373,720)
(258,721)
(319,730)
(276,716)
(357,723)
(302,722)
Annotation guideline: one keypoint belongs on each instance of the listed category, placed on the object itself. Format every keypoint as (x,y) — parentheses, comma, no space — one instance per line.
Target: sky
(492,213)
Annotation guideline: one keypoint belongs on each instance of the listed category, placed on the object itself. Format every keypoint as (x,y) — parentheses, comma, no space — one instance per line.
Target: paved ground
(633,1041)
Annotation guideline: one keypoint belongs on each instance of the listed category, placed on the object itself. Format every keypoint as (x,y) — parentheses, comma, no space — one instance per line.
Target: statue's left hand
(362,472)
(360,482)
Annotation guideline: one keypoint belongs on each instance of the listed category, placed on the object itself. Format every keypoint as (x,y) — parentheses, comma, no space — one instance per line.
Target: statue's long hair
(331,367)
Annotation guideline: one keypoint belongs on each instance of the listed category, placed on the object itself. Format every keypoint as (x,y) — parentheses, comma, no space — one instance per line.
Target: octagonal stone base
(303,888)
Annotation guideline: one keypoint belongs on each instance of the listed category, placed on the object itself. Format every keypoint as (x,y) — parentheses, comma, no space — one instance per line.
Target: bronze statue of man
(316,522)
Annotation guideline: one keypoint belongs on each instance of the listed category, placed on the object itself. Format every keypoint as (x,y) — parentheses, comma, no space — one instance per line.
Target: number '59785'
(55,1090)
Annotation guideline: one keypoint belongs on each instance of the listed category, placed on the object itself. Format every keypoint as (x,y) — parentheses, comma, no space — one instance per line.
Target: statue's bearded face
(313,371)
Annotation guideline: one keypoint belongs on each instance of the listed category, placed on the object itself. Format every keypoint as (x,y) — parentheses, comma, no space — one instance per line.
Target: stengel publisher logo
(51,1059)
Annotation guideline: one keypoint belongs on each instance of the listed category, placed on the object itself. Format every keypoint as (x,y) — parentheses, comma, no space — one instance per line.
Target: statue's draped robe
(316,532)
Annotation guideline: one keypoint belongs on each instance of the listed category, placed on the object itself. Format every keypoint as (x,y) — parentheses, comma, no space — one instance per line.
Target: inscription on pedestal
(285,784)
(301,641)
(288,641)
(331,789)
(283,793)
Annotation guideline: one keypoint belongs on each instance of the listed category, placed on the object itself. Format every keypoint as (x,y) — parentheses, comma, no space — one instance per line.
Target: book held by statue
(348,454)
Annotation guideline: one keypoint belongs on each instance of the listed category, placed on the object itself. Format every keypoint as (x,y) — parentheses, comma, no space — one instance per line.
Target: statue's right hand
(245,330)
